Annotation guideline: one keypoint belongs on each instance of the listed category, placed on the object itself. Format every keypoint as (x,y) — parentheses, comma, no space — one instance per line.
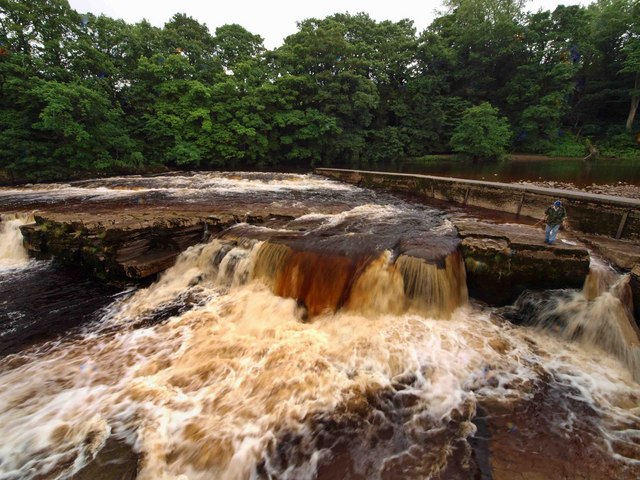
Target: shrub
(568,146)
(482,133)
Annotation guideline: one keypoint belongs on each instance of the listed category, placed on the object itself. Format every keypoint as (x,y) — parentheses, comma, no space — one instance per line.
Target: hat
(557,203)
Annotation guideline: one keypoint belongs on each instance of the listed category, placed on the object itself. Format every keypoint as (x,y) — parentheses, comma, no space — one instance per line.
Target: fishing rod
(517,237)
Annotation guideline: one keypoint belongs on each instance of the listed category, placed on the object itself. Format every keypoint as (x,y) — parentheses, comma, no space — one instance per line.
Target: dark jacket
(555,216)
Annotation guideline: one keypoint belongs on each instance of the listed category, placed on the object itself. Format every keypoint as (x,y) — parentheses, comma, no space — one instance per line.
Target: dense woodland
(81,94)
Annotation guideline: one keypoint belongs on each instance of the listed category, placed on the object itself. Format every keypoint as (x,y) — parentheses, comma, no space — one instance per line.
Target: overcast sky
(273,19)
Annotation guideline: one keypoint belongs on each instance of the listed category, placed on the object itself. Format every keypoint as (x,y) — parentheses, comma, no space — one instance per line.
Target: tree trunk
(635,100)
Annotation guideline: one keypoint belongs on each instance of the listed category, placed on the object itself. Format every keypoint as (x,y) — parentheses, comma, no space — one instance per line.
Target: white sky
(274,19)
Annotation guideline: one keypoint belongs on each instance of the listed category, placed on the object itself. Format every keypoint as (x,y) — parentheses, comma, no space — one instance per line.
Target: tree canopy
(83,95)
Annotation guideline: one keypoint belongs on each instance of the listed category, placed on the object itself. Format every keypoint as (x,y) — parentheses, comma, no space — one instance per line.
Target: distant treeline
(90,95)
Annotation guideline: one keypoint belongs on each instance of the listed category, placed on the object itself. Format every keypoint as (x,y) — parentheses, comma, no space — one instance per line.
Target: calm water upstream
(574,171)
(352,353)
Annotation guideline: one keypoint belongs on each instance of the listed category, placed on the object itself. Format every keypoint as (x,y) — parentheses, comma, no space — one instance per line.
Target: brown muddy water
(336,342)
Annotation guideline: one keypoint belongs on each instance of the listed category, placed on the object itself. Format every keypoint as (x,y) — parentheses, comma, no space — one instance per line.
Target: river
(575,172)
(354,352)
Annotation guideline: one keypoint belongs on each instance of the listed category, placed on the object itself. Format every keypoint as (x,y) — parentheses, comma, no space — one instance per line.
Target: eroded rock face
(504,260)
(501,260)
(119,247)
(624,254)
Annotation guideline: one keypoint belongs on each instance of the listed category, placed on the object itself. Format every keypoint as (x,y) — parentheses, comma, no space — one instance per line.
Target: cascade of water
(603,320)
(209,372)
(326,283)
(433,290)
(12,252)
(599,279)
(239,388)
(200,272)
(319,283)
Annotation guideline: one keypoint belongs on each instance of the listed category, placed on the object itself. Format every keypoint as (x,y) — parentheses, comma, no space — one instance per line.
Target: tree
(541,92)
(82,126)
(611,75)
(631,62)
(172,110)
(86,93)
(486,39)
(482,133)
(632,65)
(43,32)
(234,44)
(185,36)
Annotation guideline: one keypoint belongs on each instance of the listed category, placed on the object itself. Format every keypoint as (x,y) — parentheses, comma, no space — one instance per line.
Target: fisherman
(554,216)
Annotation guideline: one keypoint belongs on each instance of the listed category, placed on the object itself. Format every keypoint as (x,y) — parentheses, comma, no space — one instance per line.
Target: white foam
(181,187)
(214,385)
(12,252)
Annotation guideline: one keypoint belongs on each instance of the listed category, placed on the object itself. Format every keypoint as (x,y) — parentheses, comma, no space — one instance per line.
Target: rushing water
(339,343)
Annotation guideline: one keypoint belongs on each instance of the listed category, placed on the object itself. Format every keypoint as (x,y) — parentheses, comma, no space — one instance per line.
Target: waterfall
(326,283)
(600,316)
(599,279)
(12,252)
(319,283)
(333,340)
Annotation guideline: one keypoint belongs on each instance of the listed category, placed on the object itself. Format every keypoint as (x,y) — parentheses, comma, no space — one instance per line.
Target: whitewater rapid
(246,359)
(212,391)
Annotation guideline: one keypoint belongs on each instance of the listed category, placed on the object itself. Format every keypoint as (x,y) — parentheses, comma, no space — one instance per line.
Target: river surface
(350,351)
(571,171)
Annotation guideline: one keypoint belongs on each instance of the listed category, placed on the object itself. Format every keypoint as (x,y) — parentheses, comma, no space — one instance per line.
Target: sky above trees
(276,19)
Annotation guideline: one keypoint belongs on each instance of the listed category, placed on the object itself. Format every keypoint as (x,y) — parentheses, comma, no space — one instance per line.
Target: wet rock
(588,212)
(623,254)
(536,440)
(116,460)
(504,260)
(119,247)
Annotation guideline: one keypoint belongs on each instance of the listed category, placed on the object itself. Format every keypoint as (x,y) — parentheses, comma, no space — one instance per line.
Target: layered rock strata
(591,213)
(120,247)
(501,260)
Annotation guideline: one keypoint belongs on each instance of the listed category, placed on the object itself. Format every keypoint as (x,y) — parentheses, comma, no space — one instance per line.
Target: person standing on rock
(554,216)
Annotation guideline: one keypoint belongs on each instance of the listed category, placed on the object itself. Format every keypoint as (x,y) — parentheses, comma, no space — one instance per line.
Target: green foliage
(622,145)
(82,94)
(482,133)
(567,146)
(82,126)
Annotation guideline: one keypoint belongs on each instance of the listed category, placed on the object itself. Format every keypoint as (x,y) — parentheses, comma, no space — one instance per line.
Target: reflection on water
(575,171)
